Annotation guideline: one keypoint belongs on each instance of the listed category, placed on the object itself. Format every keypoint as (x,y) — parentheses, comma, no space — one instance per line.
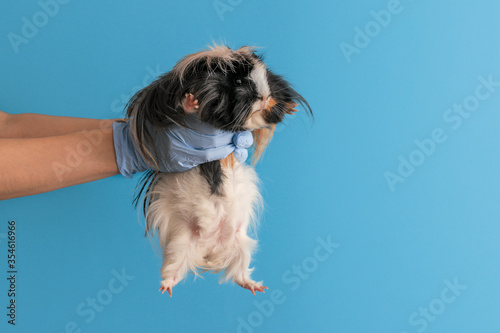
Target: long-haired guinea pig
(203,216)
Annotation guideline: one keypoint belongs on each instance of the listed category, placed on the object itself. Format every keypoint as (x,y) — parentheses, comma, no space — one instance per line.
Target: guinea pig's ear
(190,104)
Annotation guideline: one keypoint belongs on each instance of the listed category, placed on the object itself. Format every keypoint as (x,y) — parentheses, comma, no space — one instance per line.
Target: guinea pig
(204,217)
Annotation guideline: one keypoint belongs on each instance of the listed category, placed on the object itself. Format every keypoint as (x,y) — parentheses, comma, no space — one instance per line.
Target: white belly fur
(199,230)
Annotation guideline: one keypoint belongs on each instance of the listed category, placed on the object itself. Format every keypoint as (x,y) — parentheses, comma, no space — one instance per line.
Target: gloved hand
(179,148)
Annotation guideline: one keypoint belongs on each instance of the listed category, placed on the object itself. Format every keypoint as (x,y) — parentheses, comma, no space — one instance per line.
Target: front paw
(167,285)
(252,285)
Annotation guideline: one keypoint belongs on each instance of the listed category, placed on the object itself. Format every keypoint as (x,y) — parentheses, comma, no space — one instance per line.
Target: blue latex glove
(179,148)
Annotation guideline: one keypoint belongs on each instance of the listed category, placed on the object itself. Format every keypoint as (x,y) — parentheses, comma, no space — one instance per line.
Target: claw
(167,285)
(168,289)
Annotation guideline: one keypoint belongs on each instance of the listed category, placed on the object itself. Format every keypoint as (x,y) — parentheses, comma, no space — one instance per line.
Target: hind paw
(167,285)
(252,286)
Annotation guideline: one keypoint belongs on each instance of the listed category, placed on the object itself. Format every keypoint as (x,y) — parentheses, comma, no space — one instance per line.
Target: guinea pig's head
(233,90)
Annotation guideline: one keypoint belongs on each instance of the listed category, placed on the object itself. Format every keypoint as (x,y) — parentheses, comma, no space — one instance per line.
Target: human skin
(35,153)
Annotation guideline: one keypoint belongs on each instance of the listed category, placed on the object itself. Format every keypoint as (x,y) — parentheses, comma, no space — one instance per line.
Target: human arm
(34,125)
(36,165)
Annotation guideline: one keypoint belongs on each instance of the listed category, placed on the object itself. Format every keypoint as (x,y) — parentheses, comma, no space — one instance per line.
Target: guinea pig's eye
(238,82)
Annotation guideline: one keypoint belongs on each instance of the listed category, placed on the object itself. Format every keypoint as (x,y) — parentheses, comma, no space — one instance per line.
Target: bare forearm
(33,125)
(37,165)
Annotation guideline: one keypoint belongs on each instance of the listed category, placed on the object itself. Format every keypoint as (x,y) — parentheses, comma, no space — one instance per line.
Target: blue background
(397,247)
